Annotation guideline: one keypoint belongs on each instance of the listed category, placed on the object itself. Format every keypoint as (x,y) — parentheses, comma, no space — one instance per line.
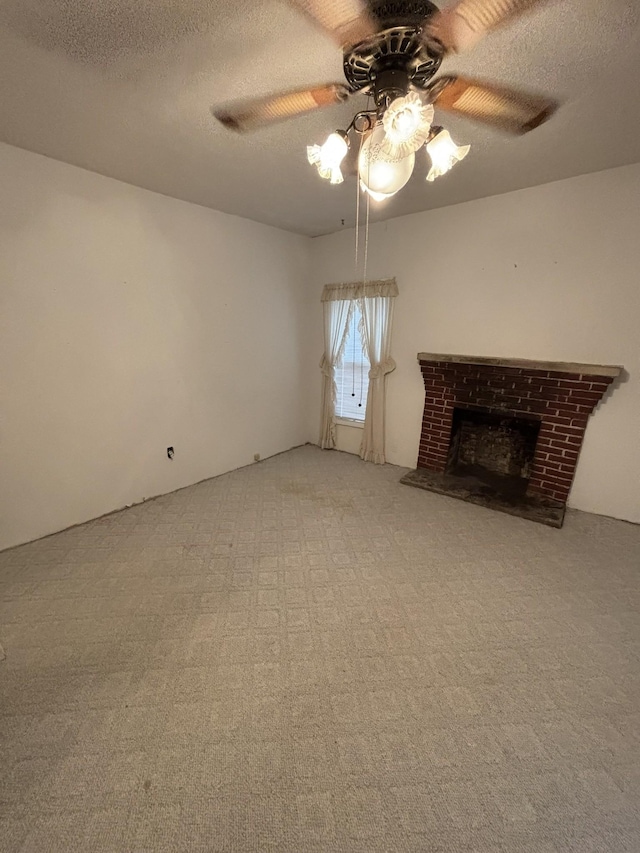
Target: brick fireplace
(506,433)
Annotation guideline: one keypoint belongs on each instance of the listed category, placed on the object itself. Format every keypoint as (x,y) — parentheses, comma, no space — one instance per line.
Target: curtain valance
(359,290)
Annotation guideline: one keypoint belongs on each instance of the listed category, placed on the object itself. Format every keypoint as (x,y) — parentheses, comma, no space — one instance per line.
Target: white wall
(549,273)
(131,322)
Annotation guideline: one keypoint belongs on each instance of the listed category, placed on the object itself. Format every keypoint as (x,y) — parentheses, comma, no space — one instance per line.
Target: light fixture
(398,126)
(380,172)
(444,153)
(407,123)
(329,156)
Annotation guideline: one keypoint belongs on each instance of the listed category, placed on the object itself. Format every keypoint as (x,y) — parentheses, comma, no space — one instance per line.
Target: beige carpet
(305,655)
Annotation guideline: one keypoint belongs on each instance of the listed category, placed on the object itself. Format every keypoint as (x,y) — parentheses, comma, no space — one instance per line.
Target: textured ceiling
(124,88)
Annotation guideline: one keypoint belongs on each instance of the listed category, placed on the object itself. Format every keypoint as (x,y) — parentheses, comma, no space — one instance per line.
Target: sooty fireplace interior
(506,433)
(495,449)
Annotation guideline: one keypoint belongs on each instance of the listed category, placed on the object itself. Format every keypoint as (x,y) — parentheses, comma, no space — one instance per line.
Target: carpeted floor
(305,655)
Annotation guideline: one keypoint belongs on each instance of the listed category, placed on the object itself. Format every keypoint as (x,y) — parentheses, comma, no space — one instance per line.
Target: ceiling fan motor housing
(389,84)
(398,48)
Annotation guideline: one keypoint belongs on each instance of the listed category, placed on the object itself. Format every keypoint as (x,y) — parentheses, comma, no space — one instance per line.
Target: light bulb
(329,156)
(407,124)
(380,172)
(444,154)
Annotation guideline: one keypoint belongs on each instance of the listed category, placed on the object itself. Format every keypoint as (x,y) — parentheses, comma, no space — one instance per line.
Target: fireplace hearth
(506,433)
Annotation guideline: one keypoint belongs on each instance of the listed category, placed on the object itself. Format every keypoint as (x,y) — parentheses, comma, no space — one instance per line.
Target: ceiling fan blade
(497,106)
(249,115)
(461,26)
(348,22)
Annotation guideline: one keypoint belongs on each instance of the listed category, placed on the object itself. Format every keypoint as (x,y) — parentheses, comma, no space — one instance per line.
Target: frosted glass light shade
(375,196)
(407,123)
(329,156)
(380,172)
(444,154)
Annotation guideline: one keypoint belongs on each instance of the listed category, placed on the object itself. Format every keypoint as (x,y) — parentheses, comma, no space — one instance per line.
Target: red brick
(441,433)
(434,454)
(545,446)
(558,408)
(574,385)
(556,489)
(557,419)
(563,441)
(551,470)
(568,469)
(556,374)
(557,480)
(572,439)
(499,382)
(549,384)
(436,450)
(588,377)
(583,398)
(568,430)
(563,469)
(427,447)
(558,459)
(570,453)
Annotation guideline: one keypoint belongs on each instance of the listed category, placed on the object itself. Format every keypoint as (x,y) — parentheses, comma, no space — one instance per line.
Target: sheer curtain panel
(377,316)
(337,313)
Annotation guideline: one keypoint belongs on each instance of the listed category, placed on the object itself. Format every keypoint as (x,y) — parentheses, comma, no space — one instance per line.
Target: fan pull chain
(364,281)
(358,203)
(355,329)
(361,381)
(357,211)
(353,353)
(366,241)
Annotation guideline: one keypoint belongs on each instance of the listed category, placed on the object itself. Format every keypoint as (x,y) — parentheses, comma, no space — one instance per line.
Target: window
(352,373)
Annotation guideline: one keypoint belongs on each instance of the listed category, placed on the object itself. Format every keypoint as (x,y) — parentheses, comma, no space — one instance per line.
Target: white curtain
(337,313)
(377,315)
(375,299)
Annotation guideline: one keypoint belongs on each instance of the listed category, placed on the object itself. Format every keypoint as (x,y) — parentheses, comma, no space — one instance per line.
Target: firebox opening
(495,449)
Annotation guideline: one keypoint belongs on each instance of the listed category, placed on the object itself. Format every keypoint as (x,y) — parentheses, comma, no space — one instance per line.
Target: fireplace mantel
(612,370)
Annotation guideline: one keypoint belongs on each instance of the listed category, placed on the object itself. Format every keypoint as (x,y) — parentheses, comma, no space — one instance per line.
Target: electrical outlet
(256,457)
(170,452)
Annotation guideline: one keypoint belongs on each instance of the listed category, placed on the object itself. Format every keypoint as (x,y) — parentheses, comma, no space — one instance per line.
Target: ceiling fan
(392,51)
(390,46)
